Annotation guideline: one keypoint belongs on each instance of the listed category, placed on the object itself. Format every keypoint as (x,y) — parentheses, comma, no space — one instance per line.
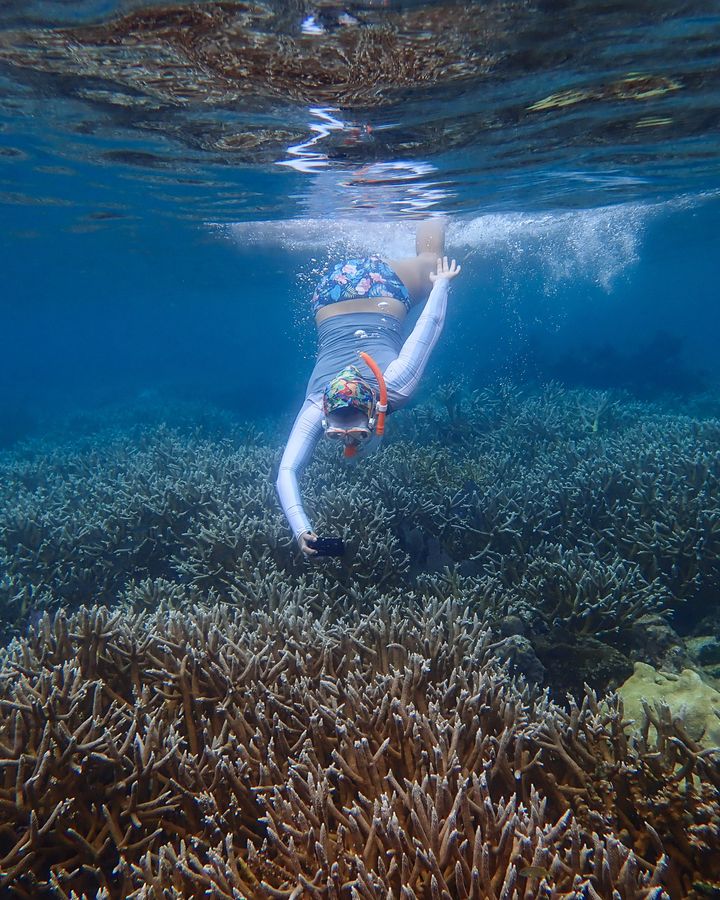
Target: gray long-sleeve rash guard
(401,375)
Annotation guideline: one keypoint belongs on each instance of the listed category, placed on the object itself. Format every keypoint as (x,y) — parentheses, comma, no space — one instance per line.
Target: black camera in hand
(328,546)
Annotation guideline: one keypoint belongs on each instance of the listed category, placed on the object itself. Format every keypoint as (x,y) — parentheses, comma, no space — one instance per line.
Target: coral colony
(187,710)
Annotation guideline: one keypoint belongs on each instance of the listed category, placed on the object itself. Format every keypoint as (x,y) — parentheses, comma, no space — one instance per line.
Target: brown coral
(284,754)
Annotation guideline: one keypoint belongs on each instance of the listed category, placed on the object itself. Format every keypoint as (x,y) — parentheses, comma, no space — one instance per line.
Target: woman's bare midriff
(387,306)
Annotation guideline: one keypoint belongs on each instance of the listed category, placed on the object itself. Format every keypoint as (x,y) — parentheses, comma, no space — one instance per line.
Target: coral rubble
(230,753)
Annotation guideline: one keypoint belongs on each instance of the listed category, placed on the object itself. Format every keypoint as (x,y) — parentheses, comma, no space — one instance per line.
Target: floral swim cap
(348,390)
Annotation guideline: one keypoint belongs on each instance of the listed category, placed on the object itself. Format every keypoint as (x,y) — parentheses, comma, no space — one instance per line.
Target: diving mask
(348,435)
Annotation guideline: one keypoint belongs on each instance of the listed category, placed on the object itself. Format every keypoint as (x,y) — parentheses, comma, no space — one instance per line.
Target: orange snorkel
(381,406)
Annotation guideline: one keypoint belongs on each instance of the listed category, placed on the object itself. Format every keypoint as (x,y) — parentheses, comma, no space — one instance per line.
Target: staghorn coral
(125,508)
(579,532)
(570,588)
(234,753)
(642,487)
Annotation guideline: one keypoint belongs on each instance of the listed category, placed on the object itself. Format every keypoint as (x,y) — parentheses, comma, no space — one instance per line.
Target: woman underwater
(359,307)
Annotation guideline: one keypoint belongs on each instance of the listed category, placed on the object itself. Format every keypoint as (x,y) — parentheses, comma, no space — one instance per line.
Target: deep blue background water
(625,297)
(574,146)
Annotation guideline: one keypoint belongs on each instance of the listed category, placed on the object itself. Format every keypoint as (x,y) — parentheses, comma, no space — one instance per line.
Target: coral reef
(235,752)
(631,499)
(578,513)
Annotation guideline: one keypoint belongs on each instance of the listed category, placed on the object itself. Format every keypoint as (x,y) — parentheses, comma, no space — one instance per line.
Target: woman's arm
(404,373)
(304,436)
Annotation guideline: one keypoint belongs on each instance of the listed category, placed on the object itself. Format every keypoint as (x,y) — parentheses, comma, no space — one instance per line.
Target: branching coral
(575,530)
(643,488)
(284,755)
(574,589)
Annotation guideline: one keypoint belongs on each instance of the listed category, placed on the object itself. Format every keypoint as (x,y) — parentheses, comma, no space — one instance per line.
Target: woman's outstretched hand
(304,540)
(445,270)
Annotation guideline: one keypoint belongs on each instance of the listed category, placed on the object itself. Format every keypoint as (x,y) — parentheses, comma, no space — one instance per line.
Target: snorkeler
(364,371)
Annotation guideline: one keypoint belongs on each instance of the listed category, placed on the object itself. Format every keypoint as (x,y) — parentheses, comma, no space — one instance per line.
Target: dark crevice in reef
(571,666)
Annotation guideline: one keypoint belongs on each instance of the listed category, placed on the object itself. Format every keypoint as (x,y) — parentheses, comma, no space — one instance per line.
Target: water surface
(228,111)
(176,176)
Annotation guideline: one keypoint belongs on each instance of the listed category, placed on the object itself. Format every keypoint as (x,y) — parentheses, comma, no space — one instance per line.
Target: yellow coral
(688,697)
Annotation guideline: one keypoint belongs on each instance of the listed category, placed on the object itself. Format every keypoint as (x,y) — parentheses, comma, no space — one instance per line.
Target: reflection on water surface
(484,104)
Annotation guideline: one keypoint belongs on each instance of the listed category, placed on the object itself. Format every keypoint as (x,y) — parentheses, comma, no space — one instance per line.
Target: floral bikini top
(366,276)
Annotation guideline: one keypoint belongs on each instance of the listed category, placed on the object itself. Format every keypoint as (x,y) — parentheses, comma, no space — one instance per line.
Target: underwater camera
(329,546)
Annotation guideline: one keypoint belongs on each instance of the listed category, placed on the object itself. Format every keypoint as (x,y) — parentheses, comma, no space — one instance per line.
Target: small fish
(534,872)
(562,98)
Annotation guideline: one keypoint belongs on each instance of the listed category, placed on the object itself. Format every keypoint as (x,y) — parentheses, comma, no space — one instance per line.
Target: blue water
(621,297)
(172,181)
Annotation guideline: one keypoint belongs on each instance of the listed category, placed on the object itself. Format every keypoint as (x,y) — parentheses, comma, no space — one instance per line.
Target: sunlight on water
(595,245)
(230,111)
